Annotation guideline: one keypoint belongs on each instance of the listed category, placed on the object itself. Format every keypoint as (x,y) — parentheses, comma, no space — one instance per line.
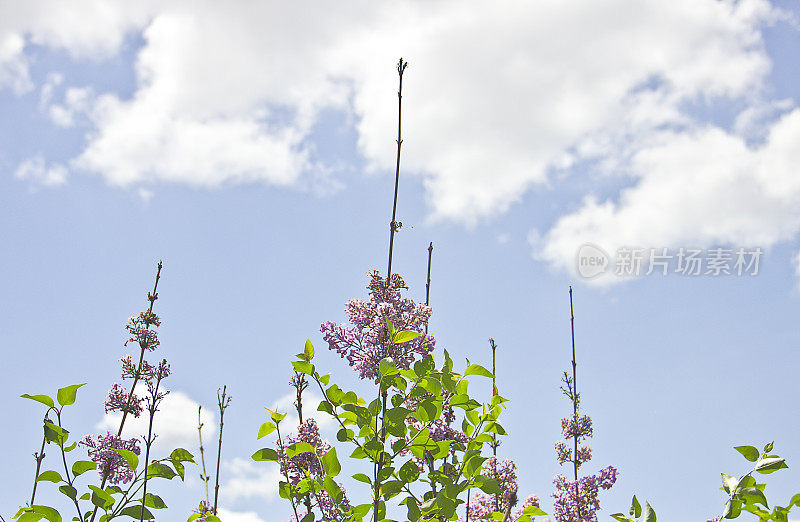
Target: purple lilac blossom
(581,508)
(140,332)
(110,464)
(118,400)
(481,505)
(297,466)
(129,370)
(566,507)
(365,343)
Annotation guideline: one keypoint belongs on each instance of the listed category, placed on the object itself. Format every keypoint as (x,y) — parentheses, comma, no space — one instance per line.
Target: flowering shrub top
(366,342)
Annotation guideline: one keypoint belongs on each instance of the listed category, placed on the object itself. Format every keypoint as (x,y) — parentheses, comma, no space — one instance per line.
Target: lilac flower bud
(118,401)
(110,464)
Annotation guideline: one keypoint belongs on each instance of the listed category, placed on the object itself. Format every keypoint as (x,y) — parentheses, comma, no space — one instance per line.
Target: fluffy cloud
(251,480)
(700,188)
(36,171)
(496,101)
(175,423)
(239,516)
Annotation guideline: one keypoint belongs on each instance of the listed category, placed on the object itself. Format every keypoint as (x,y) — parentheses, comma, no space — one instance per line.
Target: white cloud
(175,424)
(495,98)
(495,101)
(77,101)
(251,480)
(700,188)
(36,171)
(239,516)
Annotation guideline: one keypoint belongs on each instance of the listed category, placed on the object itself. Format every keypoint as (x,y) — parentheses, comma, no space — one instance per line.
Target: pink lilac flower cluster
(111,465)
(140,332)
(564,453)
(568,508)
(577,424)
(117,400)
(481,505)
(297,467)
(366,342)
(581,505)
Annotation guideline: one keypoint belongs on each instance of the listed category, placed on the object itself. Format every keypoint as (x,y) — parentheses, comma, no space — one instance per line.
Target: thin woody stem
(39,457)
(494,435)
(428,283)
(574,405)
(204,476)
(401,67)
(223,402)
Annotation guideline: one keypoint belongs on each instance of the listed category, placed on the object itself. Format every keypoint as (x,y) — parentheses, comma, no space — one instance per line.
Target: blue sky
(251,148)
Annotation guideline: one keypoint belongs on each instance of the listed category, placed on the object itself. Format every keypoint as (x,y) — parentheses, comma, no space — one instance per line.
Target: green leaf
(178,468)
(729,483)
(389,325)
(265,454)
(477,369)
(55,434)
(332,489)
(750,452)
(181,455)
(404,336)
(71,447)
(157,469)
(308,350)
(636,508)
(795,501)
(137,512)
(100,498)
(362,478)
(649,514)
(387,367)
(409,472)
(297,448)
(193,516)
(212,518)
(331,463)
(130,457)
(303,367)
(770,465)
(533,511)
(154,501)
(47,512)
(768,447)
(68,491)
(44,399)
(66,395)
(82,466)
(754,496)
(488,485)
(49,476)
(265,429)
(621,517)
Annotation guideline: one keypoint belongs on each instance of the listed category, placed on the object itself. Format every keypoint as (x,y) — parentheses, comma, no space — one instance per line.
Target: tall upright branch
(574,404)
(143,346)
(223,401)
(428,282)
(204,475)
(494,435)
(394,225)
(401,67)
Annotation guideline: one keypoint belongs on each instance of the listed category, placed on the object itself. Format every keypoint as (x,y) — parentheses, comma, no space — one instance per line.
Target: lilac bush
(365,343)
